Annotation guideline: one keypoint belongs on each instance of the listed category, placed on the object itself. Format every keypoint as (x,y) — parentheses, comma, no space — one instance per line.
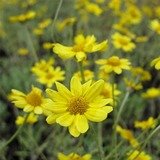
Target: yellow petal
(73,130)
(76,87)
(28,108)
(66,119)
(81,123)
(51,118)
(80,56)
(94,90)
(96,115)
(38,110)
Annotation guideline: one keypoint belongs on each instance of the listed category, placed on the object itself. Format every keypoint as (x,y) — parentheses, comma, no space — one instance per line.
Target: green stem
(55,18)
(100,140)
(81,71)
(15,134)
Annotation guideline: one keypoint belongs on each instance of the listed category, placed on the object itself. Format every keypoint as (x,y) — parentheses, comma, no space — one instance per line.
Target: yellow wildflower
(132,84)
(142,74)
(155,25)
(75,108)
(23,51)
(88,75)
(33,101)
(52,75)
(48,45)
(151,93)
(156,63)
(82,46)
(140,39)
(122,42)
(45,23)
(147,124)
(128,135)
(73,156)
(31,119)
(114,64)
(66,22)
(115,5)
(138,155)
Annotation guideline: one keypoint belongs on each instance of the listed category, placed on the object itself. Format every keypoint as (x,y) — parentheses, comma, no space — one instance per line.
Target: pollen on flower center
(49,75)
(123,41)
(78,48)
(34,98)
(78,106)
(114,61)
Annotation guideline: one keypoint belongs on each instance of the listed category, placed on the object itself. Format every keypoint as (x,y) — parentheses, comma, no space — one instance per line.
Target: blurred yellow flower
(75,108)
(155,25)
(115,5)
(114,64)
(32,101)
(138,155)
(122,42)
(128,135)
(31,119)
(64,23)
(88,75)
(156,63)
(151,93)
(23,51)
(140,39)
(147,124)
(73,156)
(44,24)
(52,75)
(82,46)
(142,74)
(38,31)
(132,84)
(48,45)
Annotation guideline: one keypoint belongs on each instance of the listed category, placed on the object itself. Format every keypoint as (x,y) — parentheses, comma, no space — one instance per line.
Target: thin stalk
(81,71)
(15,134)
(55,18)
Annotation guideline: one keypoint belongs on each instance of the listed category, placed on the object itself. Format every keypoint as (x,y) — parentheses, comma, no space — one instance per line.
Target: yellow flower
(147,124)
(38,31)
(138,155)
(132,84)
(93,8)
(73,156)
(107,91)
(44,24)
(23,51)
(48,45)
(151,93)
(115,5)
(123,42)
(82,46)
(75,108)
(88,75)
(66,22)
(155,25)
(156,63)
(128,135)
(33,101)
(42,66)
(52,75)
(31,119)
(142,74)
(141,39)
(114,64)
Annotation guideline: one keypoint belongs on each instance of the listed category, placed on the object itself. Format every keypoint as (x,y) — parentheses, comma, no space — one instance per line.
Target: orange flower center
(78,106)
(78,48)
(34,98)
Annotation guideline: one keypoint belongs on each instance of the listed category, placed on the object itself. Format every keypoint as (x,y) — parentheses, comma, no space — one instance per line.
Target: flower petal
(38,110)
(81,123)
(73,130)
(51,118)
(66,119)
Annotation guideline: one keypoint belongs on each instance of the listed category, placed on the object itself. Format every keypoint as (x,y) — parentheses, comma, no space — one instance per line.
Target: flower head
(114,64)
(155,25)
(75,108)
(73,156)
(33,101)
(151,93)
(123,42)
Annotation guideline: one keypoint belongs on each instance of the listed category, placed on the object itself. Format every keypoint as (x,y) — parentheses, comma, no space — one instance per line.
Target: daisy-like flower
(73,156)
(151,93)
(75,108)
(123,42)
(146,124)
(51,76)
(31,102)
(82,46)
(138,155)
(156,63)
(114,64)
(155,25)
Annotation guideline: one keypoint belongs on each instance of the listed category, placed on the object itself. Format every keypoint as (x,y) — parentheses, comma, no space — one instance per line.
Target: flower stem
(100,141)
(81,71)
(15,134)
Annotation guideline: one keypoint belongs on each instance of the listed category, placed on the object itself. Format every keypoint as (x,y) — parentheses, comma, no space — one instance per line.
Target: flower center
(34,98)
(123,41)
(49,75)
(114,61)
(78,106)
(78,48)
